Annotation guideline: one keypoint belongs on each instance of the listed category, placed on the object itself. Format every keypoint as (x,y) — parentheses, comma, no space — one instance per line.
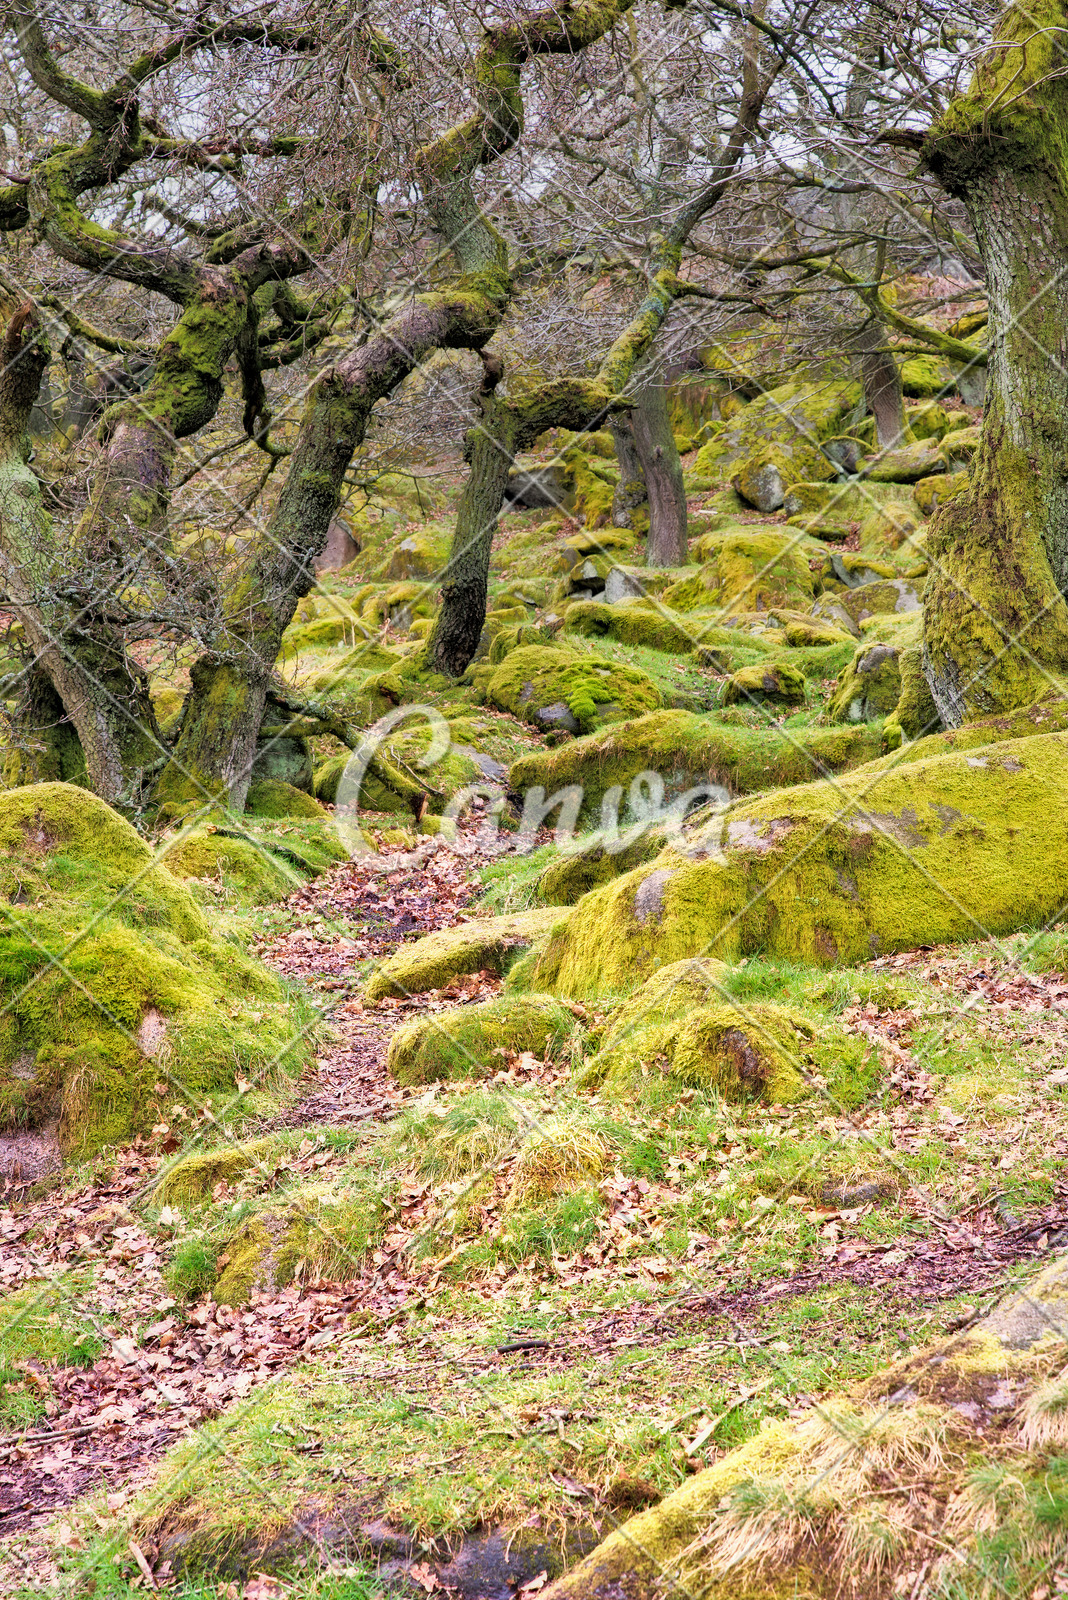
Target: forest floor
(460,1377)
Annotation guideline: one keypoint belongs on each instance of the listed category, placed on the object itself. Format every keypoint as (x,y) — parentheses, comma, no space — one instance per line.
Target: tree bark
(881,378)
(631,500)
(995,619)
(462,615)
(654,441)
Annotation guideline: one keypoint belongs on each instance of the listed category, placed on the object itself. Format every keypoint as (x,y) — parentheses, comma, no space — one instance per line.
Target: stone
(773,680)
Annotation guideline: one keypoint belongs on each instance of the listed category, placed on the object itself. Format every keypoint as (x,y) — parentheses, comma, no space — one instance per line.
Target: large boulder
(955,846)
(785,426)
(120,999)
(682,750)
(473,1041)
(747,569)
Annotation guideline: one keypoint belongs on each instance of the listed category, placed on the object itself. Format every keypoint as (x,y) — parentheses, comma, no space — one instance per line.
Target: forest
(534,800)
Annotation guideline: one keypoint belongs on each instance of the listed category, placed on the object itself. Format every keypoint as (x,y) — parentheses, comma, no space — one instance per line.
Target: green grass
(47,1324)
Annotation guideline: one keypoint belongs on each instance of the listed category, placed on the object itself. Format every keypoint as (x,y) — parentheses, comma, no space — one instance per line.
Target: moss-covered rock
(319,1233)
(908,463)
(747,570)
(869,687)
(923,377)
(852,607)
(890,527)
(977,1418)
(554,687)
(255,875)
(948,847)
(489,944)
(272,798)
(778,681)
(420,555)
(684,749)
(631,622)
(472,1041)
(930,493)
(915,713)
(113,980)
(791,418)
(959,447)
(512,637)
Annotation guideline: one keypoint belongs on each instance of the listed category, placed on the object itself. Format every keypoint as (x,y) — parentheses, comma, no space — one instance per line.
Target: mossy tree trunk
(458,628)
(631,495)
(662,469)
(104,694)
(995,619)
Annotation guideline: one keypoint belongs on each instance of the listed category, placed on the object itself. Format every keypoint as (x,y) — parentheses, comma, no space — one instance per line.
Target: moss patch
(473,1041)
(489,943)
(113,980)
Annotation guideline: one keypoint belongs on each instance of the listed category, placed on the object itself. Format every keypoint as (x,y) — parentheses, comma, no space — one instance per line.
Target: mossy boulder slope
(114,981)
(978,1419)
(956,846)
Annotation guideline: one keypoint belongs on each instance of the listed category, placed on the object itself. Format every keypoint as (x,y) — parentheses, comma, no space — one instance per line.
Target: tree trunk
(881,378)
(995,619)
(460,620)
(666,544)
(44,746)
(104,693)
(631,495)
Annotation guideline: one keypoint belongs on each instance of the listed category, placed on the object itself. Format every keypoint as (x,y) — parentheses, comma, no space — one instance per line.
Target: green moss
(926,377)
(870,686)
(930,493)
(272,798)
(235,868)
(792,418)
(191,1178)
(490,943)
(779,681)
(748,570)
(511,638)
(684,750)
(472,1041)
(631,622)
(113,980)
(945,848)
(545,684)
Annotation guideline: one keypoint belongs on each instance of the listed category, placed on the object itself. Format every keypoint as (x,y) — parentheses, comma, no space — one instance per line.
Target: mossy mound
(512,638)
(272,798)
(237,867)
(557,688)
(114,980)
(473,1041)
(1047,716)
(930,493)
(915,713)
(778,681)
(960,447)
(631,622)
(978,1419)
(748,570)
(869,687)
(684,749)
(954,846)
(743,1052)
(320,1232)
(191,1178)
(570,876)
(489,944)
(907,464)
(896,526)
(790,419)
(885,597)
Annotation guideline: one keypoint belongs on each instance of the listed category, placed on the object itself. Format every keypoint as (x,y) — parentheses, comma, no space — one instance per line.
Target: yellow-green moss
(771,680)
(954,846)
(472,1041)
(685,749)
(270,797)
(490,943)
(543,683)
(113,981)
